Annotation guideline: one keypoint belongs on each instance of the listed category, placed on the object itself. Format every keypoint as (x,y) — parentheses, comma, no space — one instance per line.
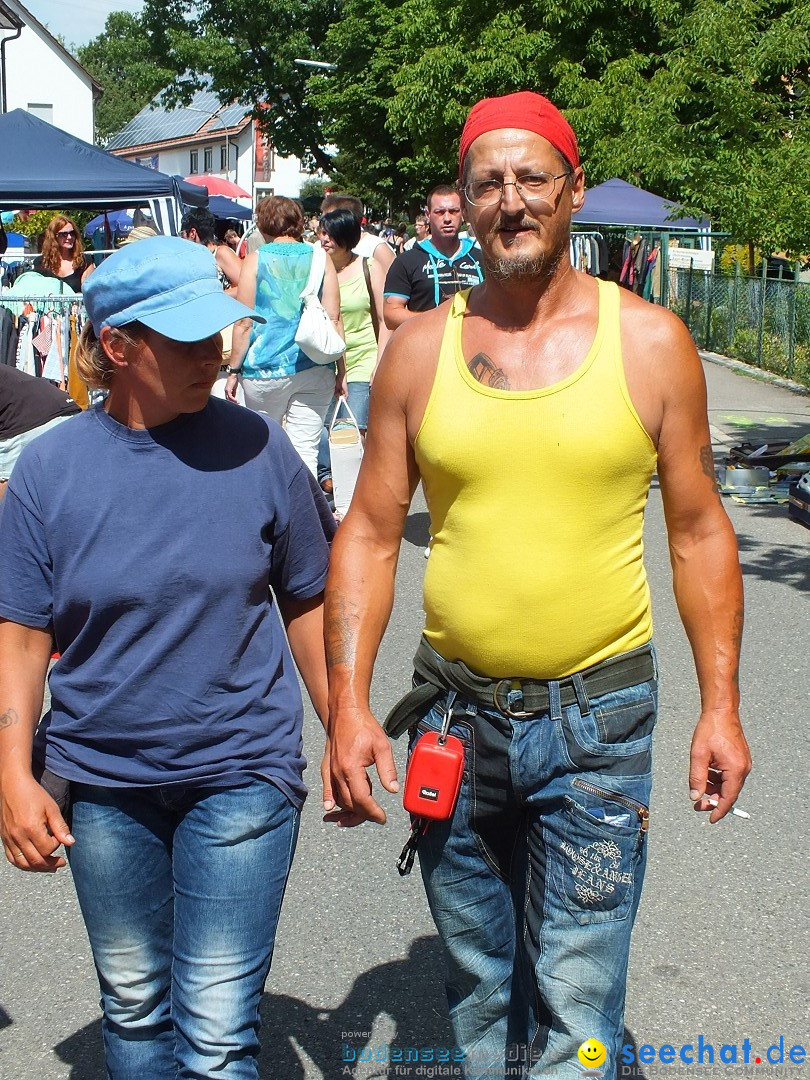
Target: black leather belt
(435,677)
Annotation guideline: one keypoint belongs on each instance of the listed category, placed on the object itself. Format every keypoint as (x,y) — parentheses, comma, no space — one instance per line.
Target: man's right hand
(357,743)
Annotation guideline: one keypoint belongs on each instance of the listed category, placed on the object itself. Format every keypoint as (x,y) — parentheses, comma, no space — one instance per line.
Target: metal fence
(763,321)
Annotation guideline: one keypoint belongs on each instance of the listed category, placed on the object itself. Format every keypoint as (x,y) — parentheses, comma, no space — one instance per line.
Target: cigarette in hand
(734,810)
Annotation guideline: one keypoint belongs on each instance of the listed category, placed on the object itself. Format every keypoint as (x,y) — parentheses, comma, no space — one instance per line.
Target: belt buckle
(507,708)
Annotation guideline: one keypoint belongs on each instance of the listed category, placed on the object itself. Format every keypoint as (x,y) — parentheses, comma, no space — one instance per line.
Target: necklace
(342,266)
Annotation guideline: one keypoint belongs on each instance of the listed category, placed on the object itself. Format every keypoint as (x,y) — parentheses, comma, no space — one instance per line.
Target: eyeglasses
(66,234)
(530,188)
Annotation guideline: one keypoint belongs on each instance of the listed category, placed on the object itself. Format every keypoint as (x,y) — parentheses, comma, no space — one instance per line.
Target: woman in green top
(361,284)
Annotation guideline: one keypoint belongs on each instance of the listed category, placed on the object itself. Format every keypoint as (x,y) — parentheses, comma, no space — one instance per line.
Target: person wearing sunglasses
(63,254)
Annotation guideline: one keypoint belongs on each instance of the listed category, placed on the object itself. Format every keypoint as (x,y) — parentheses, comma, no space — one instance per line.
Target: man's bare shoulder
(653,330)
(417,341)
(408,366)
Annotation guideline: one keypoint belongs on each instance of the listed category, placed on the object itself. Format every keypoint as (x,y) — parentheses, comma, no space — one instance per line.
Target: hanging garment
(54,369)
(77,388)
(8,338)
(25,349)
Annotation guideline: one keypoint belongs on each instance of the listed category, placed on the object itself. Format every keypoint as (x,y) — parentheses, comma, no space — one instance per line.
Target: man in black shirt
(434,268)
(28,407)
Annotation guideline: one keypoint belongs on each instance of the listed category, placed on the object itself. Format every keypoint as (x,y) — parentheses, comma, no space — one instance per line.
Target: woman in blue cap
(151,539)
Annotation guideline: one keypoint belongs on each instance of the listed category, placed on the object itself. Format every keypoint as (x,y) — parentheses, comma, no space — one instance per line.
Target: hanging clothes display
(640,266)
(40,336)
(589,253)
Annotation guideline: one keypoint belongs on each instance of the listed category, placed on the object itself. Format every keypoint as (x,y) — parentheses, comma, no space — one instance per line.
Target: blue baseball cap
(168,284)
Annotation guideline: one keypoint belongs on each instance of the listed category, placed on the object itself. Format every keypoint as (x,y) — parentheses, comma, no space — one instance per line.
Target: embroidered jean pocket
(594,860)
(615,735)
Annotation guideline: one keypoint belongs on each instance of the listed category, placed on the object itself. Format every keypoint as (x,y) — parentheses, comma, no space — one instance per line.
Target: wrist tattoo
(340,632)
(488,373)
(9,718)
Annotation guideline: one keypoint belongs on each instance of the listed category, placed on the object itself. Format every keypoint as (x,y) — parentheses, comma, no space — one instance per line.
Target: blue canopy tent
(222,207)
(46,167)
(117,219)
(615,202)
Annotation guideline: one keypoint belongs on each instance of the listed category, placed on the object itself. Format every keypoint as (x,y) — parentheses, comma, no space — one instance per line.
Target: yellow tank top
(536,502)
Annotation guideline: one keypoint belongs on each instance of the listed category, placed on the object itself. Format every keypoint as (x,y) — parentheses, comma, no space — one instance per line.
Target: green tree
(408,72)
(119,59)
(248,52)
(717,118)
(702,101)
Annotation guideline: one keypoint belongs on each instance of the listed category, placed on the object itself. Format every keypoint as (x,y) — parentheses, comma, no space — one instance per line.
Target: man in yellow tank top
(535,409)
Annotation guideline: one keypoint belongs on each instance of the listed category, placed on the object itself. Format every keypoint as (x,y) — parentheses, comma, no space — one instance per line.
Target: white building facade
(206,138)
(39,75)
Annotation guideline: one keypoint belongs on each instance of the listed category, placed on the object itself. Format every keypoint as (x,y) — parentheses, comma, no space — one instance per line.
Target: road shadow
(417,529)
(408,991)
(753,427)
(84,1053)
(768,561)
(405,995)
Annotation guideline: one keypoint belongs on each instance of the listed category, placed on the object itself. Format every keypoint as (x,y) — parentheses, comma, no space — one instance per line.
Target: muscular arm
(706,571)
(30,821)
(360,588)
(396,311)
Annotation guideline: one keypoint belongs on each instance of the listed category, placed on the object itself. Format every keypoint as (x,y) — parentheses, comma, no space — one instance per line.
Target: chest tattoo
(488,373)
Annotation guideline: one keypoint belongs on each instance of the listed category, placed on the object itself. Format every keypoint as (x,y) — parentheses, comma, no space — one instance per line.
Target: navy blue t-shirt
(151,554)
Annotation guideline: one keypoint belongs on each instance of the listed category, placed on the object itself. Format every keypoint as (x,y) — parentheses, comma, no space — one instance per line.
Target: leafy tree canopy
(120,60)
(702,101)
(248,50)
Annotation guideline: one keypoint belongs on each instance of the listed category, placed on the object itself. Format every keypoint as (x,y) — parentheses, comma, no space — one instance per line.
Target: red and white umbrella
(218,186)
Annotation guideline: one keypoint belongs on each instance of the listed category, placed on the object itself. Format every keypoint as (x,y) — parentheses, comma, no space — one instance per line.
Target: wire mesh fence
(763,321)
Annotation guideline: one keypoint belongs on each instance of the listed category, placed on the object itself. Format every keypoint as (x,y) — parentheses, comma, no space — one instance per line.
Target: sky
(77,20)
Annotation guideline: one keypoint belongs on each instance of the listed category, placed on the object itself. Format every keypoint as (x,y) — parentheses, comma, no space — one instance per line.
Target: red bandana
(525,110)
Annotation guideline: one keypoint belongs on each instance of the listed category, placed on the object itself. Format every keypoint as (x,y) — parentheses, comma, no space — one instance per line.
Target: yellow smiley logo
(592,1054)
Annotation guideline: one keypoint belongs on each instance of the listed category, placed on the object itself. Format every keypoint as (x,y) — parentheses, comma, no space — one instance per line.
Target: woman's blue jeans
(535,882)
(181,889)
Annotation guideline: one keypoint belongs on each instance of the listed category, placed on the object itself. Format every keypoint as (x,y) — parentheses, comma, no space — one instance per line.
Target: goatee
(524,267)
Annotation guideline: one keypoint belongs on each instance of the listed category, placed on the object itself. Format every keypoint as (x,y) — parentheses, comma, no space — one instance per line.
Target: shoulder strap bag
(316,335)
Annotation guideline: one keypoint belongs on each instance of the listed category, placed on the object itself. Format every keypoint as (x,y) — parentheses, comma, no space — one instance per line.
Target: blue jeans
(358,397)
(181,891)
(535,881)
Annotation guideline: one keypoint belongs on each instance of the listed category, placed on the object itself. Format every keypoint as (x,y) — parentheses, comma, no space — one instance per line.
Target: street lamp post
(316,64)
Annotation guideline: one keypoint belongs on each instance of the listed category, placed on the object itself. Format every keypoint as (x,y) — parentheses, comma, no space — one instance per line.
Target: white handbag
(316,335)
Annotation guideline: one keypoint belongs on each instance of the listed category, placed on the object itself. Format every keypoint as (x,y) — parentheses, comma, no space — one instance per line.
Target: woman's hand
(231,386)
(31,825)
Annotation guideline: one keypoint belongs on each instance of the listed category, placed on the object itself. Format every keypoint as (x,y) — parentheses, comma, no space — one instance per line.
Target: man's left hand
(719,762)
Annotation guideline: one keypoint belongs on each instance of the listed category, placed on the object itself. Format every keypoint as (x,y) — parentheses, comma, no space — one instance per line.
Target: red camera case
(433,779)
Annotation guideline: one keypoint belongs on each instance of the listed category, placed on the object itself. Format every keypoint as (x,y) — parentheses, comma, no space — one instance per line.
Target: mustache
(506,222)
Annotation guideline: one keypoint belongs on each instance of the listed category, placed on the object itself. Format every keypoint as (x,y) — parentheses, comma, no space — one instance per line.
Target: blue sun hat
(168,284)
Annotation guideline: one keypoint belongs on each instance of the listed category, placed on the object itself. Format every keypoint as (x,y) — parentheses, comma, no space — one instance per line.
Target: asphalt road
(720,947)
